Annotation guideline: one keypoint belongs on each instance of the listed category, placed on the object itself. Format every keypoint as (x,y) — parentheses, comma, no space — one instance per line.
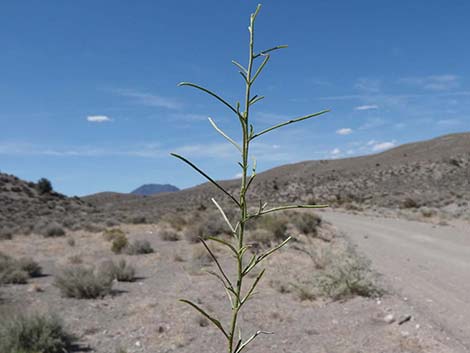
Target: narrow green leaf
(226,243)
(260,68)
(264,52)
(249,340)
(216,96)
(228,138)
(289,122)
(253,286)
(240,66)
(257,99)
(213,320)
(207,177)
(290,207)
(265,255)
(219,266)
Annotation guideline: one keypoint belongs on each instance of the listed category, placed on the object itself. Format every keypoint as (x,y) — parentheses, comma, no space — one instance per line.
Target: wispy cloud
(148,99)
(368,85)
(372,124)
(382,146)
(433,82)
(366,107)
(98,118)
(344,131)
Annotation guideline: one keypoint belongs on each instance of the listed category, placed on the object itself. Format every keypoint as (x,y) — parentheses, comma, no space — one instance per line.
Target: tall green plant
(238,292)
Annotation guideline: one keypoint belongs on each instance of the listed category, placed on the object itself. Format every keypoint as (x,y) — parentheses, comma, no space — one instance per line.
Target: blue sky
(88,94)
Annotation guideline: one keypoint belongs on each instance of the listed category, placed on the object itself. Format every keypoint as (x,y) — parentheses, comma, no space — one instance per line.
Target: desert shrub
(14,271)
(427,212)
(347,275)
(260,237)
(71,242)
(306,222)
(139,247)
(138,219)
(6,234)
(75,259)
(44,186)
(168,234)
(200,256)
(276,225)
(92,227)
(53,230)
(83,283)
(204,225)
(119,243)
(111,234)
(31,267)
(120,271)
(409,203)
(34,333)
(175,220)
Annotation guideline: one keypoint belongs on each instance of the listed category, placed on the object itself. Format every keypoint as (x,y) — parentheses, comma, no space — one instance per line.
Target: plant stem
(243,188)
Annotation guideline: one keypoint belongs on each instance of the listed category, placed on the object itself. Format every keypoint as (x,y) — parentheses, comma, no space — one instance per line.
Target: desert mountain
(433,173)
(153,189)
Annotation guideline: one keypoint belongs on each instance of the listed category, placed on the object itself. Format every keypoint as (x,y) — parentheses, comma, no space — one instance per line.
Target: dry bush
(119,243)
(347,274)
(200,256)
(276,225)
(53,229)
(34,333)
(83,283)
(120,271)
(111,234)
(14,271)
(168,234)
(175,220)
(204,225)
(138,219)
(139,247)
(259,238)
(306,222)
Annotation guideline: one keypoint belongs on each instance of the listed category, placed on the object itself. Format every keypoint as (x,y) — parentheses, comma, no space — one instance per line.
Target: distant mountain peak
(152,189)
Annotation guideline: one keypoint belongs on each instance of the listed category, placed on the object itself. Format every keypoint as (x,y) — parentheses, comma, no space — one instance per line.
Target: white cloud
(382,146)
(148,99)
(98,118)
(367,107)
(433,82)
(238,175)
(335,151)
(344,131)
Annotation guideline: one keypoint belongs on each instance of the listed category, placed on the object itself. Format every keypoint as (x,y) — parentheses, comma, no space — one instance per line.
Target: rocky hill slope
(27,207)
(432,174)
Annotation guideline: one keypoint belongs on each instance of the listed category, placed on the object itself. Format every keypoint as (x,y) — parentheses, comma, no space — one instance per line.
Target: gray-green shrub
(120,270)
(139,247)
(34,333)
(83,282)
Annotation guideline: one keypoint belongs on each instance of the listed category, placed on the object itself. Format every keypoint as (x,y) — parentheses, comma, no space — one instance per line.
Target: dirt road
(429,265)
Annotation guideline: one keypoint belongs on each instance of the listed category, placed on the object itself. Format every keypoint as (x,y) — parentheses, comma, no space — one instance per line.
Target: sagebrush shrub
(53,230)
(168,234)
(119,243)
(83,282)
(139,247)
(347,275)
(111,234)
(306,223)
(120,270)
(34,333)
(14,271)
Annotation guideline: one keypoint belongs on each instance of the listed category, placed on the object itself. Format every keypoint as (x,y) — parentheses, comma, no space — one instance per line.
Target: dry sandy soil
(145,316)
(429,264)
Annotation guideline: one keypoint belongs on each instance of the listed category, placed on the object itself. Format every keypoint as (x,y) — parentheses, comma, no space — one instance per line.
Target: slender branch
(213,320)
(216,96)
(219,266)
(289,122)
(290,207)
(228,138)
(207,177)
(264,52)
